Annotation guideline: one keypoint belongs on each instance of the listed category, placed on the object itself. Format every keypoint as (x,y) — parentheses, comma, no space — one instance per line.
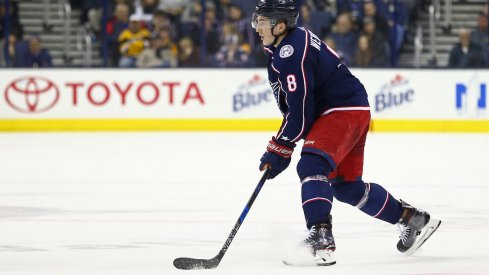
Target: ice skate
(316,249)
(415,227)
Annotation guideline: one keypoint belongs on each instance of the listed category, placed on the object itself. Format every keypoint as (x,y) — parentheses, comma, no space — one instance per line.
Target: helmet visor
(261,22)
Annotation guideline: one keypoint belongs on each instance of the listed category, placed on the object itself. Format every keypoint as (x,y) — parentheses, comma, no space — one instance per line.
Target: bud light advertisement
(252,94)
(394,94)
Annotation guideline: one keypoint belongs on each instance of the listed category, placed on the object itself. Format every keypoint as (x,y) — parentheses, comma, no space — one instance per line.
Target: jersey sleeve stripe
(277,71)
(331,50)
(305,87)
(282,128)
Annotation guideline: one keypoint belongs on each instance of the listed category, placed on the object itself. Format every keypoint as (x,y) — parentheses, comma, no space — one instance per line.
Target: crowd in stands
(152,33)
(167,33)
(22,52)
(472,50)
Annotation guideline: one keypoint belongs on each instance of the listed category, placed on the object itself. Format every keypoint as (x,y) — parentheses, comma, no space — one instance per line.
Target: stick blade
(190,263)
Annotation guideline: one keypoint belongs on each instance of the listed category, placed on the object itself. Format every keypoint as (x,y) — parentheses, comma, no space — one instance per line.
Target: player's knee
(312,165)
(351,192)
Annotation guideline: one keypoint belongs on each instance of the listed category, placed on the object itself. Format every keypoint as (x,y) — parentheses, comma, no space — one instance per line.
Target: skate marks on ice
(18,248)
(302,256)
(140,222)
(7,212)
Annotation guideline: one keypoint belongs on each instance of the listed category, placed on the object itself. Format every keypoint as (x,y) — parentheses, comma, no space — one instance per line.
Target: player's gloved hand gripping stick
(191,263)
(277,157)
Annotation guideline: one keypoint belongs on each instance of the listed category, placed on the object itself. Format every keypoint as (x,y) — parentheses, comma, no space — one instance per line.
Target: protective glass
(261,22)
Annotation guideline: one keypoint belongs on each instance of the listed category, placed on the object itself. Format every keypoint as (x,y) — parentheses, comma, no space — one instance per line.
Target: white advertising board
(217,94)
(98,93)
(426,94)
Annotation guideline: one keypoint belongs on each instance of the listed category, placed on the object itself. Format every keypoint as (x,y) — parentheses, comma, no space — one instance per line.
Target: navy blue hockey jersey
(309,80)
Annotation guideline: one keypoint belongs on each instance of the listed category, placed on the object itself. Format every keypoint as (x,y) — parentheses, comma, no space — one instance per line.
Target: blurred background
(217,33)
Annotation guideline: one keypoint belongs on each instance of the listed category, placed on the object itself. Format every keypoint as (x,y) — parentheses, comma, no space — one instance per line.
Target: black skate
(415,227)
(316,249)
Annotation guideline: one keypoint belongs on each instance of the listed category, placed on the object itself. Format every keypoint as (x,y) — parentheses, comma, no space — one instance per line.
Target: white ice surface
(129,203)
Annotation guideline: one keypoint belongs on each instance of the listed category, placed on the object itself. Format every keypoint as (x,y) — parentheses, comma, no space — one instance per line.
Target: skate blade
(323,258)
(428,230)
(308,264)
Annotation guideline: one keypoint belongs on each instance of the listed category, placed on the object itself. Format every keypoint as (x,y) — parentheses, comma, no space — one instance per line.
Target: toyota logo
(32,94)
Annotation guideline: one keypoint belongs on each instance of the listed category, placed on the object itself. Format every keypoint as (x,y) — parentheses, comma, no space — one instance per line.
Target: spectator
(479,35)
(190,18)
(15,50)
(398,20)
(413,8)
(223,6)
(332,46)
(161,20)
(16,27)
(132,42)
(345,37)
(379,44)
(162,52)
(306,21)
(212,27)
(231,54)
(188,54)
(149,6)
(91,15)
(333,6)
(330,43)
(319,22)
(3,56)
(212,30)
(259,57)
(192,28)
(355,7)
(174,7)
(114,3)
(35,56)
(364,56)
(370,10)
(242,24)
(247,6)
(391,19)
(114,28)
(466,54)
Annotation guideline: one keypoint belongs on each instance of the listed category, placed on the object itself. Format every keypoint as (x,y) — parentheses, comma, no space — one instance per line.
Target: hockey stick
(191,263)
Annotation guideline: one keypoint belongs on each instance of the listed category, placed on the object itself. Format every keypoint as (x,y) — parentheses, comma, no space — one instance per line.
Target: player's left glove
(277,157)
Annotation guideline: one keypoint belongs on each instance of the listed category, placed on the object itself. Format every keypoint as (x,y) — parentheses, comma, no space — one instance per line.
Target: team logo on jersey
(286,51)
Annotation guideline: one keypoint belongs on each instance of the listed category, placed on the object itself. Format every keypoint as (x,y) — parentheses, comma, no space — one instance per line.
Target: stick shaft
(243,215)
(192,263)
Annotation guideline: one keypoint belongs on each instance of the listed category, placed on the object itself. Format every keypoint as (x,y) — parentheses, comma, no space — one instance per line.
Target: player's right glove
(277,157)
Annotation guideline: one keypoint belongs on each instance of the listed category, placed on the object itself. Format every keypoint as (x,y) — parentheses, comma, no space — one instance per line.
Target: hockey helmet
(276,11)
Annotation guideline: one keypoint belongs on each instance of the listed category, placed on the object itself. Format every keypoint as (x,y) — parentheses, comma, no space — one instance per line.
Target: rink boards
(226,99)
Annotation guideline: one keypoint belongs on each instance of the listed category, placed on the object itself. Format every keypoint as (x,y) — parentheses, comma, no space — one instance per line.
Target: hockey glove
(277,157)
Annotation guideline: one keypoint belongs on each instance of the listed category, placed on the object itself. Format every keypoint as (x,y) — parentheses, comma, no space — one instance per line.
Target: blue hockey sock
(317,199)
(382,205)
(371,198)
(317,196)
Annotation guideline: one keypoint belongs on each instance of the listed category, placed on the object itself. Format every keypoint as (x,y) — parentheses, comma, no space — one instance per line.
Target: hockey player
(324,104)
